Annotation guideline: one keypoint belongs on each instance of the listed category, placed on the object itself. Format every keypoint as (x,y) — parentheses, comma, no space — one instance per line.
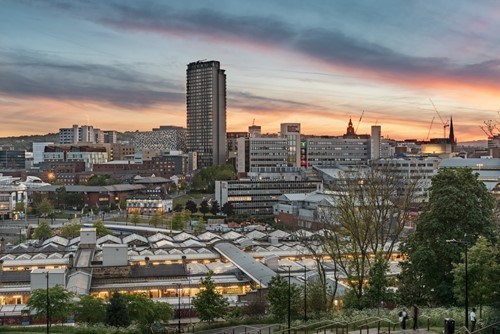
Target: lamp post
(179,307)
(289,297)
(48,303)
(305,294)
(465,244)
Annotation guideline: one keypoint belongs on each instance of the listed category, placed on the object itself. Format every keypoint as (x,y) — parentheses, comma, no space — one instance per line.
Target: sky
(121,65)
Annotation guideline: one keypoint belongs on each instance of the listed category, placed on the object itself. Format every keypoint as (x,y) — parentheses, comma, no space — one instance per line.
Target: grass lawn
(184,198)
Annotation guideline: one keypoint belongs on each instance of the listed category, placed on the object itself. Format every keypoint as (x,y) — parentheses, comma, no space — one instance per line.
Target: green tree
(204,209)
(90,310)
(459,204)
(156,219)
(42,231)
(177,221)
(201,226)
(145,312)
(19,207)
(45,208)
(483,274)
(228,209)
(191,206)
(278,295)
(135,218)
(378,283)
(60,305)
(208,303)
(117,312)
(215,208)
(100,228)
(206,177)
(71,230)
(102,180)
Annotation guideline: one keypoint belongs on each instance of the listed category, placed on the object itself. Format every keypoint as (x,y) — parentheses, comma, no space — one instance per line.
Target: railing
(377,321)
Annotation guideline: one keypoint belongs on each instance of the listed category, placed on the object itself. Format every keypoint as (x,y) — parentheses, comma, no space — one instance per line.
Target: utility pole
(465,244)
(305,294)
(48,303)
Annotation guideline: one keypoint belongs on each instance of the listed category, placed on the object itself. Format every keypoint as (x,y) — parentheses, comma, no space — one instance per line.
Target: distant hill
(26,142)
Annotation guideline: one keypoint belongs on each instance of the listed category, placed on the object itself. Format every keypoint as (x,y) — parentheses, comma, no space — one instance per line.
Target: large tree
(459,207)
(278,296)
(483,274)
(90,310)
(215,208)
(71,230)
(205,178)
(117,313)
(156,219)
(42,231)
(60,304)
(204,208)
(191,206)
(45,208)
(144,311)
(367,215)
(209,303)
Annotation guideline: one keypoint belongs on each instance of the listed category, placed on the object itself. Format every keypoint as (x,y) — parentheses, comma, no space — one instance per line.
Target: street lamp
(48,303)
(465,244)
(305,293)
(179,307)
(289,297)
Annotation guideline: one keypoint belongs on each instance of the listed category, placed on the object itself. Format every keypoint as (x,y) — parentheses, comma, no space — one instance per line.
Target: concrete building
(163,139)
(232,146)
(12,192)
(38,149)
(89,155)
(206,112)
(291,132)
(85,134)
(258,197)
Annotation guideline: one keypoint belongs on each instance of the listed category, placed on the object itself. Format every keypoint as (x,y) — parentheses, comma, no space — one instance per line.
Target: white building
(38,149)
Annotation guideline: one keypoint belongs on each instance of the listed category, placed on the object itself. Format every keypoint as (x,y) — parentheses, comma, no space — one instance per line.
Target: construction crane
(360,118)
(445,125)
(430,127)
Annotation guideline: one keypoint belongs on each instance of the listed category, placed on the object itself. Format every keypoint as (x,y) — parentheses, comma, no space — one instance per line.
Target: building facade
(206,112)
(162,139)
(258,197)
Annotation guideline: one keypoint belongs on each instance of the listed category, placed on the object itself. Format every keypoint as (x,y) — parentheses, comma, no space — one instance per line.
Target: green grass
(182,200)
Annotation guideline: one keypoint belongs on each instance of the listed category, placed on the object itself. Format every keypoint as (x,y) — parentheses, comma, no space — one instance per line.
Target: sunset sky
(122,64)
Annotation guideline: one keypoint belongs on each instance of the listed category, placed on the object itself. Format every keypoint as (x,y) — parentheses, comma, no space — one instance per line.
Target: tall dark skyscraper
(206,112)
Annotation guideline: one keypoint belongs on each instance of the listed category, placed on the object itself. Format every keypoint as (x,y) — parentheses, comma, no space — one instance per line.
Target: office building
(206,112)
(258,197)
(12,159)
(162,139)
(291,132)
(86,134)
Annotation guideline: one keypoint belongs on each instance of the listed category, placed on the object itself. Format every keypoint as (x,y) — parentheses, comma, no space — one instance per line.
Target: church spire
(452,133)
(350,129)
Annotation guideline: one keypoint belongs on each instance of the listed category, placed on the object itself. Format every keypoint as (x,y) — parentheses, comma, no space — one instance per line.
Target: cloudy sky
(121,65)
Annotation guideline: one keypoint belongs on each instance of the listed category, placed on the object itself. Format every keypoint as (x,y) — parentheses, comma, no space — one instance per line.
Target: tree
(144,311)
(228,209)
(19,207)
(204,209)
(178,207)
(102,180)
(177,221)
(117,313)
(156,219)
(136,218)
(459,204)
(205,178)
(60,305)
(378,283)
(208,303)
(90,310)
(100,228)
(367,215)
(215,209)
(483,274)
(201,226)
(71,230)
(278,295)
(191,206)
(45,208)
(42,231)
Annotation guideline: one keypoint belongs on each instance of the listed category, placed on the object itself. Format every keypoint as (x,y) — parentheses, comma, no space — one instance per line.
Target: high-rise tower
(206,112)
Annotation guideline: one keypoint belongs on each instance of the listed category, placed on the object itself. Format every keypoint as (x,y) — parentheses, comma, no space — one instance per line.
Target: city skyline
(121,64)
